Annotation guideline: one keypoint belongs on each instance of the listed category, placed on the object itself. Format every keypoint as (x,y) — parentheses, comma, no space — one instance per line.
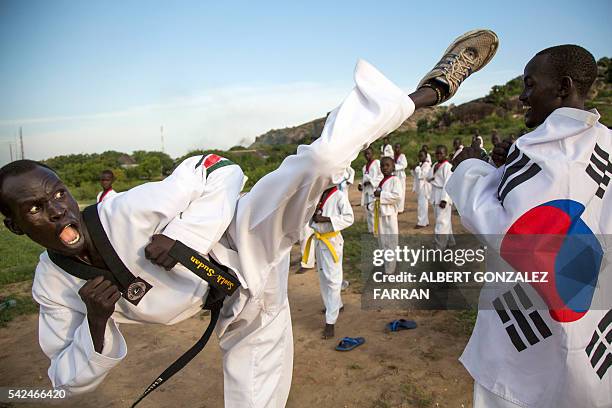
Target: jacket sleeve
(210,207)
(65,338)
(473,189)
(343,216)
(392,195)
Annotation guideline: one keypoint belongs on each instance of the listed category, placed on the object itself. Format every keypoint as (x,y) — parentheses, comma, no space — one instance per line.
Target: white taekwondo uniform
(438,176)
(423,191)
(255,326)
(371,175)
(386,150)
(555,181)
(400,171)
(103,195)
(387,207)
(328,246)
(348,179)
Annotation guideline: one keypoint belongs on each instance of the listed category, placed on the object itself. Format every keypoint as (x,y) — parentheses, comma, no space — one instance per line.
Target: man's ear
(566,87)
(10,224)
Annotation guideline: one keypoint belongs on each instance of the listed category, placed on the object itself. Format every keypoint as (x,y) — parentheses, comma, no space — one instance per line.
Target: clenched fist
(157,251)
(99,296)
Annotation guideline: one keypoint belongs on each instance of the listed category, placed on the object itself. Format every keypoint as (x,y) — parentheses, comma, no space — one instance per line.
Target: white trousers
(443,229)
(422,210)
(330,278)
(255,324)
(369,214)
(388,237)
(402,204)
(484,398)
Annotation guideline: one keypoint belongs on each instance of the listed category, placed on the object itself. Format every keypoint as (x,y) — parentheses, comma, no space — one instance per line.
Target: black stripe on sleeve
(592,343)
(599,351)
(514,168)
(602,153)
(499,308)
(540,324)
(526,175)
(603,368)
(605,322)
(523,297)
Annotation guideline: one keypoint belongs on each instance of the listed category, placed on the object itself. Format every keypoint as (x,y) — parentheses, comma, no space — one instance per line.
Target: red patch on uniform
(211,159)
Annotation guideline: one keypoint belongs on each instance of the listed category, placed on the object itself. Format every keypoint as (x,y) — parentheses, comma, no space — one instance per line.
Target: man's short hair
(442,147)
(575,62)
(109,172)
(16,168)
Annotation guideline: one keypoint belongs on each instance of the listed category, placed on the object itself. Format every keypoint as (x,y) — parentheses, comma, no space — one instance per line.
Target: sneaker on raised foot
(467,54)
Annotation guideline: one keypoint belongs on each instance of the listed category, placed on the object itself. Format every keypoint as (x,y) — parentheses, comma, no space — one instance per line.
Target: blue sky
(94,76)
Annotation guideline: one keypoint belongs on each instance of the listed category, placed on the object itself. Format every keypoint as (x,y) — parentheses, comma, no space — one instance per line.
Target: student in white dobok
(388,198)
(333,214)
(386,150)
(371,178)
(438,176)
(400,171)
(422,190)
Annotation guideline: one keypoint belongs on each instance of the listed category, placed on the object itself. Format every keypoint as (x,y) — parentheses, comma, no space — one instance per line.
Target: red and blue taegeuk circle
(553,238)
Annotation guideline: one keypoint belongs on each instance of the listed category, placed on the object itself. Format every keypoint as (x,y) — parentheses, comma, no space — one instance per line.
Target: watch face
(136,290)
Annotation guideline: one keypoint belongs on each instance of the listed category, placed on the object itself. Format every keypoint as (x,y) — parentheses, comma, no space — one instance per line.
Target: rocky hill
(502,102)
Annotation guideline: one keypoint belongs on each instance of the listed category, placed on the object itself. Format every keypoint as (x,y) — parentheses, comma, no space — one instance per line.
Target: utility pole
(162,138)
(11,149)
(21,141)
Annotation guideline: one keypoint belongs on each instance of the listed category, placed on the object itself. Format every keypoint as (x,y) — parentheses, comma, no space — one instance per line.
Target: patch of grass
(466,320)
(25,305)
(352,250)
(415,396)
(19,257)
(355,366)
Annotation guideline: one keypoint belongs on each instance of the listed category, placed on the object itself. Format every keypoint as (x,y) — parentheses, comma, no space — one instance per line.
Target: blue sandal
(349,343)
(401,324)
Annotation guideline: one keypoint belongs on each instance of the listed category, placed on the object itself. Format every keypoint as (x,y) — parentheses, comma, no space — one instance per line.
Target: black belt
(221,284)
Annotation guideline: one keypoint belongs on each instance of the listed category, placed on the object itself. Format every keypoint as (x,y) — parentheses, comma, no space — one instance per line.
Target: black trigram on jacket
(524,325)
(519,169)
(600,169)
(599,350)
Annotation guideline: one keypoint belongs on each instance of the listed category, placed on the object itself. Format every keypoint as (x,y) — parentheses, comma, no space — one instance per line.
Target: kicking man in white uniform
(79,319)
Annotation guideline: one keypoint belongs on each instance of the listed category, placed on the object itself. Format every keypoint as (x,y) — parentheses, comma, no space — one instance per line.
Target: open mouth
(70,235)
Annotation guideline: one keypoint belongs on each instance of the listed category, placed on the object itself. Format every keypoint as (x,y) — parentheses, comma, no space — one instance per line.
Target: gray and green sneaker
(466,55)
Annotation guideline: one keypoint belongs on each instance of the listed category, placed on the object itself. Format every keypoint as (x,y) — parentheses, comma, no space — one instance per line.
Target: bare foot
(328,332)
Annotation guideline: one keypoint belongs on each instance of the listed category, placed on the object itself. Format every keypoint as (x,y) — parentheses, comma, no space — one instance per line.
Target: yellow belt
(323,238)
(376,216)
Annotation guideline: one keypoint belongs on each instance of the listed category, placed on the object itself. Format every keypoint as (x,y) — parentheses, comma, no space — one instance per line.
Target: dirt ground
(416,368)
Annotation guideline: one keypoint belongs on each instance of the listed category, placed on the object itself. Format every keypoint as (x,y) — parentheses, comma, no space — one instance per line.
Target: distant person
(332,215)
(388,195)
(547,344)
(107,177)
(371,177)
(457,146)
(400,171)
(386,150)
(425,148)
(495,139)
(422,190)
(438,176)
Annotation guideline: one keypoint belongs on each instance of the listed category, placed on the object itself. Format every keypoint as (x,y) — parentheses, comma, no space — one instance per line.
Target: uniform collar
(589,117)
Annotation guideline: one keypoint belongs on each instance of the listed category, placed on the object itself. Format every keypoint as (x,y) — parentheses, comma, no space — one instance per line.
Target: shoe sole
(475,33)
